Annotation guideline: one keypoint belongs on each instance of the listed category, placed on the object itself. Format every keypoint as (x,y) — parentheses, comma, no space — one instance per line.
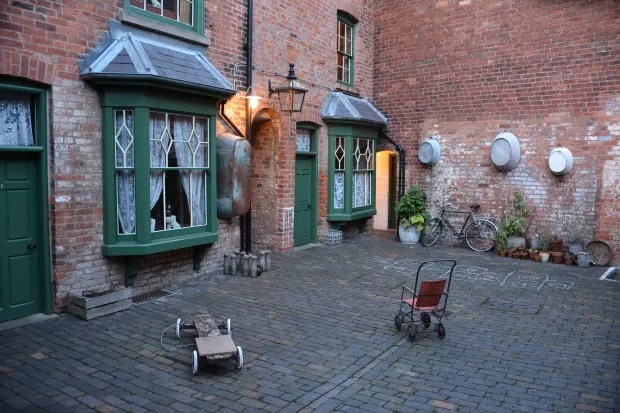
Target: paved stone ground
(318,336)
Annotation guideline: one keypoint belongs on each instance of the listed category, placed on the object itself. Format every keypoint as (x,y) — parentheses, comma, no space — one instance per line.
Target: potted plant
(500,243)
(543,244)
(412,212)
(514,222)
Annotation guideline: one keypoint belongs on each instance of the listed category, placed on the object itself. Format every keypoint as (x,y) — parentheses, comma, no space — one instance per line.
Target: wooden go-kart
(214,342)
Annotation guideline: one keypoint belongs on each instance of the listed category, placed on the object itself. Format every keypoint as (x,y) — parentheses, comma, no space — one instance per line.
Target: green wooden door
(305,215)
(20,280)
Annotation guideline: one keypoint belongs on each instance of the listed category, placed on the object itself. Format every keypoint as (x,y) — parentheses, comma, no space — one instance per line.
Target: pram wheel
(426,320)
(398,322)
(411,333)
(441,331)
(178,328)
(194,362)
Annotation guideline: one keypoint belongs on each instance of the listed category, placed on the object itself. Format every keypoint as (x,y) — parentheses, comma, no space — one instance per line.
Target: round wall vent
(560,161)
(430,152)
(505,152)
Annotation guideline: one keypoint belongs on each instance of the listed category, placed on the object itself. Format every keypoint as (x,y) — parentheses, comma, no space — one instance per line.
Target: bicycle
(479,234)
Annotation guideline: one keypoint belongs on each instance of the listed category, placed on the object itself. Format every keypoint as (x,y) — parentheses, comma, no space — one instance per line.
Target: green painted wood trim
(212,223)
(351,217)
(351,21)
(43,141)
(198,12)
(109,177)
(168,244)
(43,197)
(161,101)
(142,164)
(22,149)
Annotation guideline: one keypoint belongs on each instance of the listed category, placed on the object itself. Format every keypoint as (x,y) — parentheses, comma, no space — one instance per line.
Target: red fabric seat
(428,297)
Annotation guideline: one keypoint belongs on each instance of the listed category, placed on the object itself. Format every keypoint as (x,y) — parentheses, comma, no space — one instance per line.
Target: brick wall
(464,71)
(42,41)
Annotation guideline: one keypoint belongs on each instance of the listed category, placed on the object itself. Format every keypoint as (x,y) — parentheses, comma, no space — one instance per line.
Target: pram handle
(417,275)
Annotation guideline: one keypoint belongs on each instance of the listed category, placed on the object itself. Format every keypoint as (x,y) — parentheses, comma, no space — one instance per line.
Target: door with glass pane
(20,280)
(305,226)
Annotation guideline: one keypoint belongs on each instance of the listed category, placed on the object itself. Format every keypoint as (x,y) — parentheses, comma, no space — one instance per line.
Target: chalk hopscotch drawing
(471,273)
(529,279)
(465,272)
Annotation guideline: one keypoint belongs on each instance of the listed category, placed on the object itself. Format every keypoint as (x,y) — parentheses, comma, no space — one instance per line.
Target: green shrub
(411,209)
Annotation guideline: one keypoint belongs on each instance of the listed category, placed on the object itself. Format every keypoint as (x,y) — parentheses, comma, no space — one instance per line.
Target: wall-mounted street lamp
(290,93)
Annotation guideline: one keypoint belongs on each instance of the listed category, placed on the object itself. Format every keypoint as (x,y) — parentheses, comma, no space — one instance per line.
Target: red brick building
(112,110)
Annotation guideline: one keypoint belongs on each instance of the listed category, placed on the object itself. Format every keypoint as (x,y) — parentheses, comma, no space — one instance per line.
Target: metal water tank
(234,155)
(505,152)
(430,152)
(560,161)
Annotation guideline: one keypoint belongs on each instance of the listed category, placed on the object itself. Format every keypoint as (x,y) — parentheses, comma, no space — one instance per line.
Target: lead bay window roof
(343,107)
(130,53)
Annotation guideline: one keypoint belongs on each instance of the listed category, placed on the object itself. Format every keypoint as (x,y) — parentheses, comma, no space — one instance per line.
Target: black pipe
(228,121)
(246,221)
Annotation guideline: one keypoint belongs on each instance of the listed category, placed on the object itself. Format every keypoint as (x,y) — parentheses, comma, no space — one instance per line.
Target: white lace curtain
(15,120)
(191,156)
(157,125)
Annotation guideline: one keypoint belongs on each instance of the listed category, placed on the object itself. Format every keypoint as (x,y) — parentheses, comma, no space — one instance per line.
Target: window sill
(343,217)
(167,244)
(165,29)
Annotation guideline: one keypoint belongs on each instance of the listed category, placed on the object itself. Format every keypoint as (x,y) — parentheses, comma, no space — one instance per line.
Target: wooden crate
(93,307)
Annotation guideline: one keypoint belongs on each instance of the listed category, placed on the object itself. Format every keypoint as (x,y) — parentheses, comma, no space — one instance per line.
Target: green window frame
(352,172)
(137,126)
(345,47)
(183,14)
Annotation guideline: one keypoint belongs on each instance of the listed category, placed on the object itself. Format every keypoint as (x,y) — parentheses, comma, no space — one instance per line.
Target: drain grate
(152,295)
(514,306)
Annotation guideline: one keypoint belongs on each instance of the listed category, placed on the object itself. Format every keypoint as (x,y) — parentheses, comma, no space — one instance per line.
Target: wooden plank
(215,346)
(206,325)
(86,303)
(89,314)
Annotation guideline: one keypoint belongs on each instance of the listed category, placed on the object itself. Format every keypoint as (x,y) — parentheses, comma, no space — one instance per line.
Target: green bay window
(351,172)
(159,176)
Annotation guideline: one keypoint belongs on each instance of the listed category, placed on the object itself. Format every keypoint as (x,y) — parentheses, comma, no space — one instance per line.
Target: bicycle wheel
(480,235)
(431,232)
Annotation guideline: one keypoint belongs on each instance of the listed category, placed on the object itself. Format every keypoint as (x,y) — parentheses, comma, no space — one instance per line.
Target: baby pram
(424,302)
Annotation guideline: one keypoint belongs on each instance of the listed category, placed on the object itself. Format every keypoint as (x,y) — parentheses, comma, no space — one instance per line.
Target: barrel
(233,175)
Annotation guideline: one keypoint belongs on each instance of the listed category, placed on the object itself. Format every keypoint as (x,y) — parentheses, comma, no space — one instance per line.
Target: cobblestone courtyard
(318,335)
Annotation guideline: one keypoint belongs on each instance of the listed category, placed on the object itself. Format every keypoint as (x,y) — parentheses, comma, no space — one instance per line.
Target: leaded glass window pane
(363,165)
(179,147)
(125,177)
(303,140)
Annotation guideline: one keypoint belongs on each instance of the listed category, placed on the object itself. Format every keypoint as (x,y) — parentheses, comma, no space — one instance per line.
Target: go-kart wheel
(194,362)
(178,328)
(228,328)
(441,331)
(411,333)
(239,358)
(426,320)
(398,322)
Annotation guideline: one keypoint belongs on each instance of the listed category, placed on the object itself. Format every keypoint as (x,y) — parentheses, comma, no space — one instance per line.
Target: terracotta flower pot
(557,257)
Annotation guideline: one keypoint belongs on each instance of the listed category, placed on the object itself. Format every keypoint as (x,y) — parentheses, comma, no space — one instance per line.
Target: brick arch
(29,67)
(351,8)
(310,115)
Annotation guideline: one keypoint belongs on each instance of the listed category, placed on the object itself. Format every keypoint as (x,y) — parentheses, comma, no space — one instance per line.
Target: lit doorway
(386,191)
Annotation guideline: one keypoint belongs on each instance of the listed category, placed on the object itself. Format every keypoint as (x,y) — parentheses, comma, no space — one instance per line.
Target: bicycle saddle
(474,207)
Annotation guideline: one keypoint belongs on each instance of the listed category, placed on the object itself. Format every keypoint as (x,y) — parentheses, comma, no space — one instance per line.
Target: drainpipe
(245,222)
